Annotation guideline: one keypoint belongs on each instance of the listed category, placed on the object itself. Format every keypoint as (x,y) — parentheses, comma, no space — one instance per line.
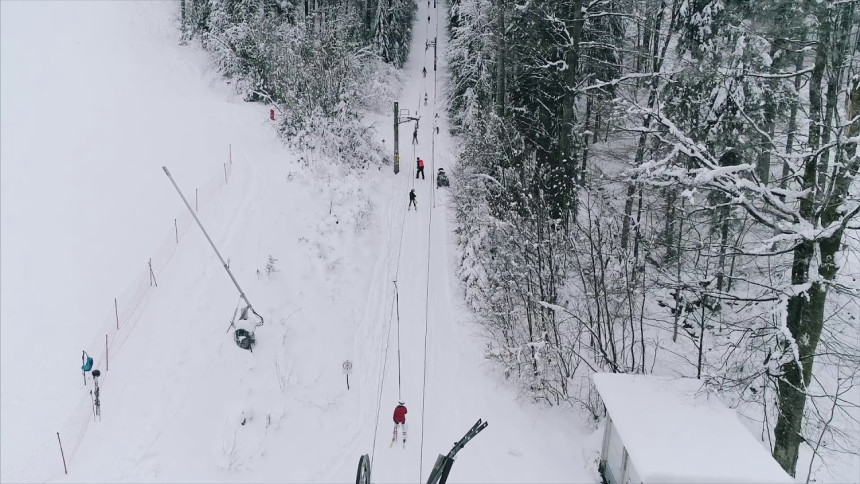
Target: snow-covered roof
(675,433)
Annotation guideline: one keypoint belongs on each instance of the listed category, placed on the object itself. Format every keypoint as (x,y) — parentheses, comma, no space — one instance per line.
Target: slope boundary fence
(123,312)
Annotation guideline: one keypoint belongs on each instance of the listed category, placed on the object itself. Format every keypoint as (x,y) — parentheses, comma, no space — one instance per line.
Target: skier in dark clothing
(420,171)
(415,136)
(411,203)
(425,72)
(399,419)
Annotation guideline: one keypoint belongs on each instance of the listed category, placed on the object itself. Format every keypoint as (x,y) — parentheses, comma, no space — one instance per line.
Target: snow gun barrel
(206,234)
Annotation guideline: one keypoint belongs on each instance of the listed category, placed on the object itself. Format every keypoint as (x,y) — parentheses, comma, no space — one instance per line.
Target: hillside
(90,114)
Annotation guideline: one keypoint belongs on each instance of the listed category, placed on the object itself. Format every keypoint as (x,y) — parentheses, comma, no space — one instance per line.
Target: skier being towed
(399,419)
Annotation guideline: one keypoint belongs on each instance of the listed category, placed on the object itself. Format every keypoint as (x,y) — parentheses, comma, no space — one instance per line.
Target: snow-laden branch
(779,75)
(626,77)
(766,205)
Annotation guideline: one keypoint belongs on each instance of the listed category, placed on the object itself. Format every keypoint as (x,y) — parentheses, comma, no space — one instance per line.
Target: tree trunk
(792,118)
(805,312)
(656,63)
(838,45)
(566,135)
(763,162)
(500,65)
(589,102)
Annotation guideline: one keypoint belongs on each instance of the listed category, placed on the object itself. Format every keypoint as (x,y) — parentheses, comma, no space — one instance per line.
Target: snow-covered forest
(643,186)
(322,63)
(667,186)
(657,187)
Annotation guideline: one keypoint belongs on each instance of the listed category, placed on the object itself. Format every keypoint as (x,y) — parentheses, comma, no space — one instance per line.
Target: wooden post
(396,138)
(107,360)
(152,274)
(347,369)
(116,312)
(62,454)
(176,230)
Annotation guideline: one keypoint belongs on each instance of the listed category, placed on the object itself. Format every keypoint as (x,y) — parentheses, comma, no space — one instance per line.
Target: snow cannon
(243,337)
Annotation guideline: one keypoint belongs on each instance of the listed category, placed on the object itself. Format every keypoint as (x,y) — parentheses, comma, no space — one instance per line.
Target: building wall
(613,455)
(632,475)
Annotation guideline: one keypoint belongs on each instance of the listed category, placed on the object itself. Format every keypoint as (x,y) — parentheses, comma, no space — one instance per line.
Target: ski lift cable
(394,310)
(424,78)
(427,298)
(396,291)
(435,119)
(426,318)
(397,305)
(382,380)
(381,385)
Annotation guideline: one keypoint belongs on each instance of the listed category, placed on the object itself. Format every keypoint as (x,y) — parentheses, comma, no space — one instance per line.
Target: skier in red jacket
(420,171)
(399,419)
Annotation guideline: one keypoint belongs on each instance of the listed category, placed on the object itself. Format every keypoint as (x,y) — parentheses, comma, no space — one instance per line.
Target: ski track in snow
(182,403)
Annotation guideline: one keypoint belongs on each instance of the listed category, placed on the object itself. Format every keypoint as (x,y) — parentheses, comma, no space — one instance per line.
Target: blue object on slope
(88,365)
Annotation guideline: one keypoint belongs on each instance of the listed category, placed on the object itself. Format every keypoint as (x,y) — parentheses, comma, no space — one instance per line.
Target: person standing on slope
(424,71)
(400,414)
(420,168)
(411,203)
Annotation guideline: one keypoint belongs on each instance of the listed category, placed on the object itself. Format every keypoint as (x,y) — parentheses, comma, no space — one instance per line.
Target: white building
(666,430)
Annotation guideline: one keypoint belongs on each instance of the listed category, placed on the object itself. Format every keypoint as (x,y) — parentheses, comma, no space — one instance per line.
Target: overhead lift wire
(397,305)
(396,300)
(427,286)
(395,309)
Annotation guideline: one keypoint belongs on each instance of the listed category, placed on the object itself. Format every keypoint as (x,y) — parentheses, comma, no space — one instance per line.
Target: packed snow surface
(96,98)
(676,433)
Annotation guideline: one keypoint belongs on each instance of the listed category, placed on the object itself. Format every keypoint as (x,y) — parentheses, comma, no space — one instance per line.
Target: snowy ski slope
(89,115)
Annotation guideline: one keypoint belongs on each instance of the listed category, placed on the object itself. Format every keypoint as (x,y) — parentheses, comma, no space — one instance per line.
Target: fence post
(62,454)
(152,274)
(116,312)
(107,360)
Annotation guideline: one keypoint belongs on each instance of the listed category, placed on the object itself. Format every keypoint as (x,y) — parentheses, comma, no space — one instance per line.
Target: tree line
(667,185)
(320,62)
